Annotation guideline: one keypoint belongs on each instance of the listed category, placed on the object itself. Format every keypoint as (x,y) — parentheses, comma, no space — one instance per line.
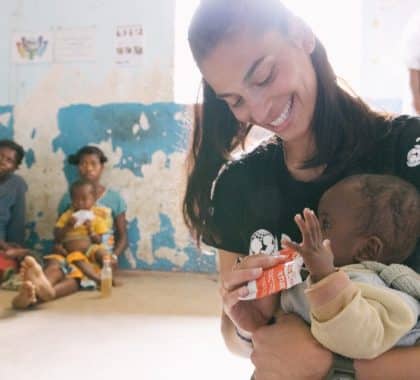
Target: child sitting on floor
(79,253)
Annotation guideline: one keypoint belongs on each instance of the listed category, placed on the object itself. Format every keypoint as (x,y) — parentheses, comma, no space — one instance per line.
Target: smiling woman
(263,65)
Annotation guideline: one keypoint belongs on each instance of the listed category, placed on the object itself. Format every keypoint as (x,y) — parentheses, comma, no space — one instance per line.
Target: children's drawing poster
(31,47)
(128,44)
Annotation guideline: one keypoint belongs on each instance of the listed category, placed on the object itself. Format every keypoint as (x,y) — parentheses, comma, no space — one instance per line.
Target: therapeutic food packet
(280,277)
(82,216)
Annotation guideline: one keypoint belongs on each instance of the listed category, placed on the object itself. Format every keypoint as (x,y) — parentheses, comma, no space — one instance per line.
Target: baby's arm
(359,321)
(61,229)
(316,252)
(94,237)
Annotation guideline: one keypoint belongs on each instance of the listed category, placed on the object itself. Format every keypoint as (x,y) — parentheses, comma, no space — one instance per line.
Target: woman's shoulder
(113,199)
(110,192)
(404,133)
(17,182)
(250,165)
(406,121)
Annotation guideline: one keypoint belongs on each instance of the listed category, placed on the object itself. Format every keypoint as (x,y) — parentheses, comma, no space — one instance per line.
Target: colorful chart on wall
(31,47)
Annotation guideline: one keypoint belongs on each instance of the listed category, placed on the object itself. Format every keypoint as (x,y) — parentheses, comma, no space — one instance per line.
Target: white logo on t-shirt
(413,156)
(263,241)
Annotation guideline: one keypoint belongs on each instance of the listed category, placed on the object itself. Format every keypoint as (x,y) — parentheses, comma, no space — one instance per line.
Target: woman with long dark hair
(262,65)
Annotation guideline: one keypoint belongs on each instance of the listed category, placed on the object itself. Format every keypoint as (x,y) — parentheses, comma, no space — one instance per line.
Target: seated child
(369,222)
(79,253)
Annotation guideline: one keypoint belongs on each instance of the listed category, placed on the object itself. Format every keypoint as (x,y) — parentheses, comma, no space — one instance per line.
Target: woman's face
(266,80)
(7,161)
(90,167)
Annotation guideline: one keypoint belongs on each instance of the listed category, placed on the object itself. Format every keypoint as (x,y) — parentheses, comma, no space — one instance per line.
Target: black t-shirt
(256,192)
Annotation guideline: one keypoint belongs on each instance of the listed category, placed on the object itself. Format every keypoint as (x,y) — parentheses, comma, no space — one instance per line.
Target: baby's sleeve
(361,321)
(63,219)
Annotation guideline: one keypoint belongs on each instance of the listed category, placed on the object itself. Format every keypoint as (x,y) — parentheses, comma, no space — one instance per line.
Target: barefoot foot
(26,296)
(32,271)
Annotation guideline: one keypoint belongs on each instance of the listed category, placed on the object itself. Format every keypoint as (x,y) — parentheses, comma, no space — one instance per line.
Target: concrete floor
(157,326)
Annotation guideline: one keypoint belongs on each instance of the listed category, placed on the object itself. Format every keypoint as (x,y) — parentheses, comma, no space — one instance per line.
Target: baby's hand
(315,251)
(59,248)
(88,224)
(71,222)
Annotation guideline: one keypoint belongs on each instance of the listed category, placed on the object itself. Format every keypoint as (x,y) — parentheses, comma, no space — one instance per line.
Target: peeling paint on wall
(54,109)
(149,173)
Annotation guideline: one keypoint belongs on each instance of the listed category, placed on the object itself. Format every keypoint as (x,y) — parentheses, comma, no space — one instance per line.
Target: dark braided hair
(74,159)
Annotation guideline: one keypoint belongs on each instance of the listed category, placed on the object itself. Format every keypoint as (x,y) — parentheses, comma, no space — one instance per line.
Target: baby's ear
(370,249)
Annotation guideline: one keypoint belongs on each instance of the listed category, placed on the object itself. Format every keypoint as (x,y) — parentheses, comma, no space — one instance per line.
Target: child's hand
(71,222)
(315,251)
(59,248)
(88,224)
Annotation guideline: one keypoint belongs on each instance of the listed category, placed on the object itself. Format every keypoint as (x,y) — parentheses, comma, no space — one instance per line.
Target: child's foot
(26,296)
(32,271)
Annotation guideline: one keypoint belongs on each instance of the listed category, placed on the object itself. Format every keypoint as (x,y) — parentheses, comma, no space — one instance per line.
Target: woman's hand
(247,315)
(288,351)
(315,251)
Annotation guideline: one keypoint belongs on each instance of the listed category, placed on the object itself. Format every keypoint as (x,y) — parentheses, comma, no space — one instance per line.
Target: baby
(78,234)
(365,222)
(79,252)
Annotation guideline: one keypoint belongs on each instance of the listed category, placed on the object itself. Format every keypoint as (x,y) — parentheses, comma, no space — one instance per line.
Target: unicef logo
(413,156)
(263,241)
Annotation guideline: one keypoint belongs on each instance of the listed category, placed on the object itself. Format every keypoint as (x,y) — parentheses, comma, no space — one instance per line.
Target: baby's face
(83,198)
(338,213)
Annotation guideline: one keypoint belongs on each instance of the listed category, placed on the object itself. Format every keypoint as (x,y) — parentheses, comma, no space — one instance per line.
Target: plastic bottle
(106,277)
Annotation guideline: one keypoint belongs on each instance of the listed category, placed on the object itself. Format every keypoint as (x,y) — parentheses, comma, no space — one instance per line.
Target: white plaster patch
(179,258)
(135,128)
(130,258)
(144,122)
(5,118)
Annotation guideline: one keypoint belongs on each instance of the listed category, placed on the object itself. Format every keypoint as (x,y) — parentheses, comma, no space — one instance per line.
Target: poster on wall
(128,44)
(75,44)
(31,47)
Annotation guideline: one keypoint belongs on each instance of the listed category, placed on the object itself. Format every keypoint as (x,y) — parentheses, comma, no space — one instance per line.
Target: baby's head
(370,217)
(83,195)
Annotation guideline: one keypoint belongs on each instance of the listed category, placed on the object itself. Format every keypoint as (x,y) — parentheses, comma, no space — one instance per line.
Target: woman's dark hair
(20,153)
(74,159)
(344,126)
